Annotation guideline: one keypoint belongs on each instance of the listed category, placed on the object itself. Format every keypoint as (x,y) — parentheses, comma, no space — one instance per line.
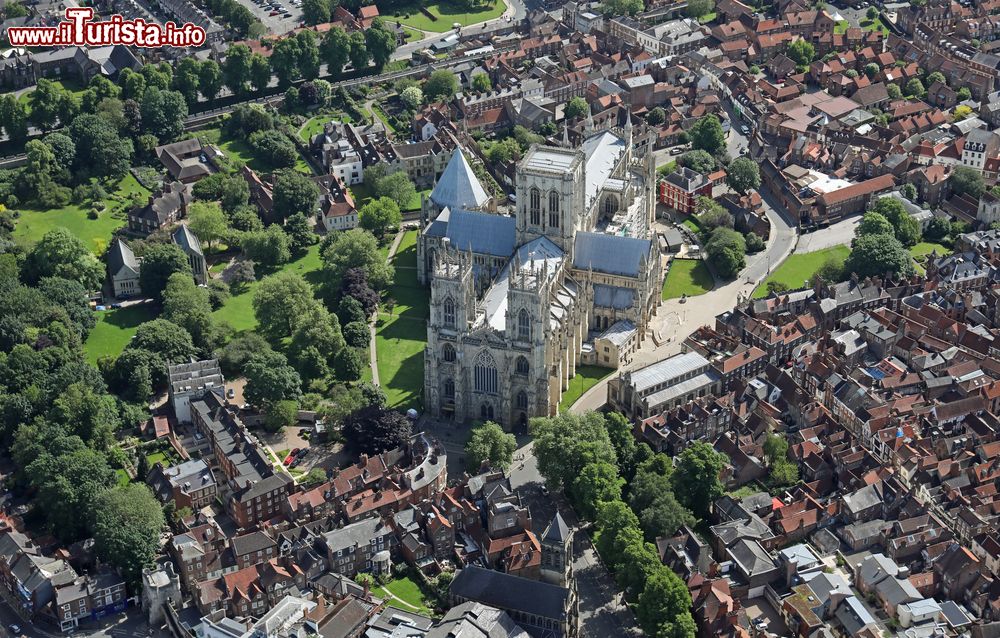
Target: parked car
(295,451)
(677,150)
(288,460)
(302,453)
(15,630)
(745,129)
(295,464)
(273,13)
(230,393)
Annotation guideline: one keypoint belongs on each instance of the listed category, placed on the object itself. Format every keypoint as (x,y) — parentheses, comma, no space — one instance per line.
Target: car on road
(745,129)
(677,150)
(15,630)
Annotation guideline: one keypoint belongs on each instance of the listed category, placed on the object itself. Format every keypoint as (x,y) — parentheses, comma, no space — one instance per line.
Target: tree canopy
(488,443)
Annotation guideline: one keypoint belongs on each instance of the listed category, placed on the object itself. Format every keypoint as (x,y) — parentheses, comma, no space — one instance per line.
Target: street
(132,624)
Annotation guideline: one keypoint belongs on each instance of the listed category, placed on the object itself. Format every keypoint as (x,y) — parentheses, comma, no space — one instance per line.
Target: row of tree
(633,496)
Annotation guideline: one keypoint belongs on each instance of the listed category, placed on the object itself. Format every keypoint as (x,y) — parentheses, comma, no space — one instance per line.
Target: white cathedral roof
(602,151)
(459,187)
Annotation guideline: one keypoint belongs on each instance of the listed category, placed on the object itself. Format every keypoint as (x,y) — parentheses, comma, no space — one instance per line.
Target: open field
(800,267)
(34,222)
(689,277)
(446,13)
(114,329)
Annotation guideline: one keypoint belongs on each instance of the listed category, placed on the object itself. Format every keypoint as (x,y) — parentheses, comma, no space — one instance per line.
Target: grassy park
(238,150)
(798,268)
(445,13)
(238,309)
(114,329)
(400,337)
(34,222)
(689,277)
(403,589)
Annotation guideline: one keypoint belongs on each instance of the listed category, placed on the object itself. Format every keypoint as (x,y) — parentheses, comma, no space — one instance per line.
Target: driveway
(839,234)
(277,25)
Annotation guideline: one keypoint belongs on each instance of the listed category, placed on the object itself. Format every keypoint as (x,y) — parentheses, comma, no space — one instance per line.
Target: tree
(707,135)
(597,483)
(566,443)
(378,216)
(270,379)
(614,521)
(871,70)
(188,306)
(726,250)
(294,193)
(348,365)
(358,52)
(934,77)
(621,7)
(489,444)
(127,524)
(411,97)
(915,88)
(966,181)
(440,86)
(163,114)
(14,117)
(356,248)
(100,150)
(698,161)
(878,255)
(906,229)
(961,112)
(241,274)
(938,228)
(260,72)
(755,243)
(300,233)
(656,116)
(481,83)
(373,430)
(712,215)
(315,11)
(335,50)
(743,175)
(832,270)
(164,338)
(210,79)
(280,302)
(664,516)
(696,480)
(664,608)
(45,103)
(269,247)
(699,8)
(397,187)
(274,148)
(874,224)
(894,91)
(59,253)
(909,191)
(236,68)
(381,42)
(234,356)
(207,221)
(503,151)
(185,80)
(801,52)
(357,336)
(964,94)
(308,59)
(576,108)
(158,263)
(280,415)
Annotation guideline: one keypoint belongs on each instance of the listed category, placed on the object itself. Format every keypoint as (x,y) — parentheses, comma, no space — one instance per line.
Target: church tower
(557,553)
(453,309)
(551,195)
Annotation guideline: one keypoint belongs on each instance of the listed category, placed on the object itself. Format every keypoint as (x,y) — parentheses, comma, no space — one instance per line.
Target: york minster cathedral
(519,302)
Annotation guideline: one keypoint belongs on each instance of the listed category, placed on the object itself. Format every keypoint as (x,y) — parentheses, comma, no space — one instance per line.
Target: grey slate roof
(187,240)
(120,256)
(558,531)
(610,254)
(613,297)
(481,233)
(459,187)
(508,592)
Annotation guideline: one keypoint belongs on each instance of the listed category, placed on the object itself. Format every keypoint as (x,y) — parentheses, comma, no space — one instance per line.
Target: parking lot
(279,16)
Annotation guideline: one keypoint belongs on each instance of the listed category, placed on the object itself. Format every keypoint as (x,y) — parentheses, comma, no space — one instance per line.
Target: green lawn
(363,192)
(841,27)
(447,13)
(689,277)
(114,329)
(121,476)
(586,378)
(925,248)
(874,25)
(798,268)
(412,34)
(406,590)
(315,124)
(34,222)
(692,224)
(157,457)
(238,150)
(401,337)
(668,168)
(73,86)
(708,17)
(238,309)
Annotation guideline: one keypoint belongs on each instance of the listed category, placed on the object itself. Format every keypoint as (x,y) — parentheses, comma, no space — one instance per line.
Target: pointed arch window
(449,389)
(523,325)
(449,313)
(448,352)
(535,206)
(522,400)
(521,366)
(485,377)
